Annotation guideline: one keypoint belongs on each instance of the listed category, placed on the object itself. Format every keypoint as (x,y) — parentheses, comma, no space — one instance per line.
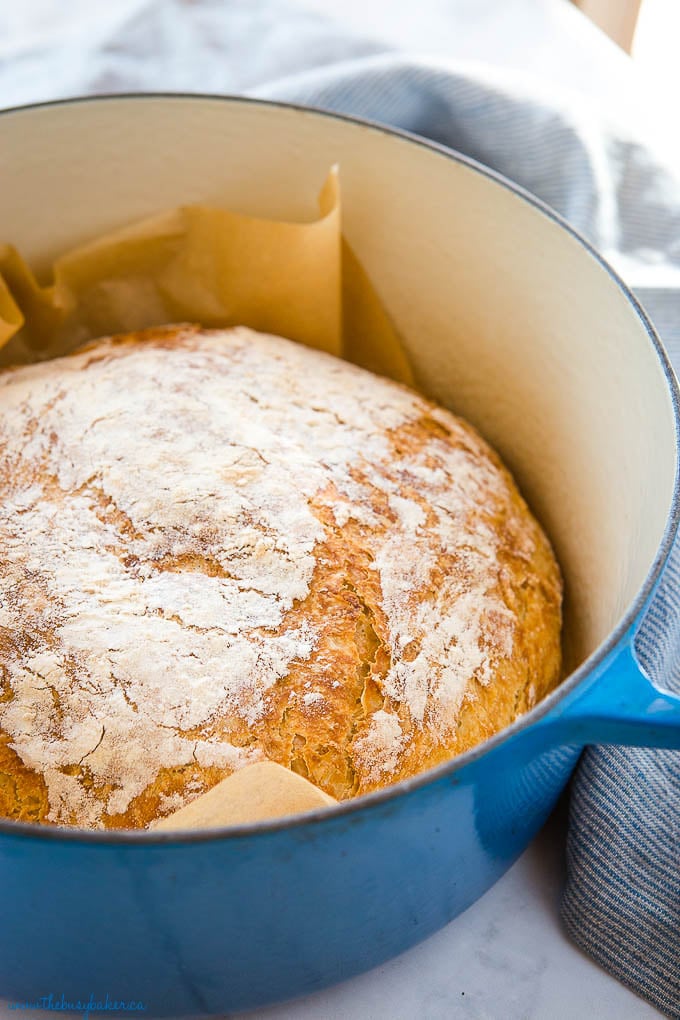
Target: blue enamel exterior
(230,923)
(213,922)
(206,925)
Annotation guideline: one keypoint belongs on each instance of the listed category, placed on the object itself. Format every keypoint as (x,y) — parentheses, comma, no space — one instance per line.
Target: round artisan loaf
(219,547)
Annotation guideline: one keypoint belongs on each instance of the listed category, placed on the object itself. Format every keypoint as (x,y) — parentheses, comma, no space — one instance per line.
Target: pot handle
(621,706)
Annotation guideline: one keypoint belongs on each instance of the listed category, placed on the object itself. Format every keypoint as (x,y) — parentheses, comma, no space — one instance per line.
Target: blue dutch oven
(510,319)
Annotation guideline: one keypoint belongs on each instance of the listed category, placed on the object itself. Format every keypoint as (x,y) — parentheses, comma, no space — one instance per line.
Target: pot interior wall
(507,318)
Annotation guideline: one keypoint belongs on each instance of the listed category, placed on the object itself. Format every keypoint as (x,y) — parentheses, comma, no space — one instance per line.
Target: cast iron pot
(509,319)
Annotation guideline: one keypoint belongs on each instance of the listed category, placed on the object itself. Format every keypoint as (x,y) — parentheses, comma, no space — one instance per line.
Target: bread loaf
(221,547)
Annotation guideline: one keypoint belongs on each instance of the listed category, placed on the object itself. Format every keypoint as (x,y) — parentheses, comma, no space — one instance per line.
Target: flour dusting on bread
(219,547)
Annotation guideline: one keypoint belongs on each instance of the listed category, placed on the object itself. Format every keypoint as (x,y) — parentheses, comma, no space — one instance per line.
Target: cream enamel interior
(507,318)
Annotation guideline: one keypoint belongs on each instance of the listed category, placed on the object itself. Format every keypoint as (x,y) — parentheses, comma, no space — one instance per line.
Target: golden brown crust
(368,673)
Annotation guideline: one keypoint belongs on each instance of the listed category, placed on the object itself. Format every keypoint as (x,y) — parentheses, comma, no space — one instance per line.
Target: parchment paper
(218,268)
(211,266)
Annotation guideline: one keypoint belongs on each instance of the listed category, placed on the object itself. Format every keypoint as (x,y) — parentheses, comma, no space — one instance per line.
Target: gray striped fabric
(622,901)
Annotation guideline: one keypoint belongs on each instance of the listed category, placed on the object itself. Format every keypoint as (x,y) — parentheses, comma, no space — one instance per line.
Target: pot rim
(349,808)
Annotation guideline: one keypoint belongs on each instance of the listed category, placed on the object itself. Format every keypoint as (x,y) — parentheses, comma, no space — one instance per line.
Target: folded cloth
(622,900)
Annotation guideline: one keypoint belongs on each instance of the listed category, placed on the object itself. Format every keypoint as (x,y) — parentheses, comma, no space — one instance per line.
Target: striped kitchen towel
(622,899)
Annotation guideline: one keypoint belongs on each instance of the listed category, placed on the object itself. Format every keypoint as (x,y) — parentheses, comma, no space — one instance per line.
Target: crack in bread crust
(220,546)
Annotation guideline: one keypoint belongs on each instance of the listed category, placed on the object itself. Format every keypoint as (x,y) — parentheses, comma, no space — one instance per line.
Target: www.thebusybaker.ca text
(84,1006)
